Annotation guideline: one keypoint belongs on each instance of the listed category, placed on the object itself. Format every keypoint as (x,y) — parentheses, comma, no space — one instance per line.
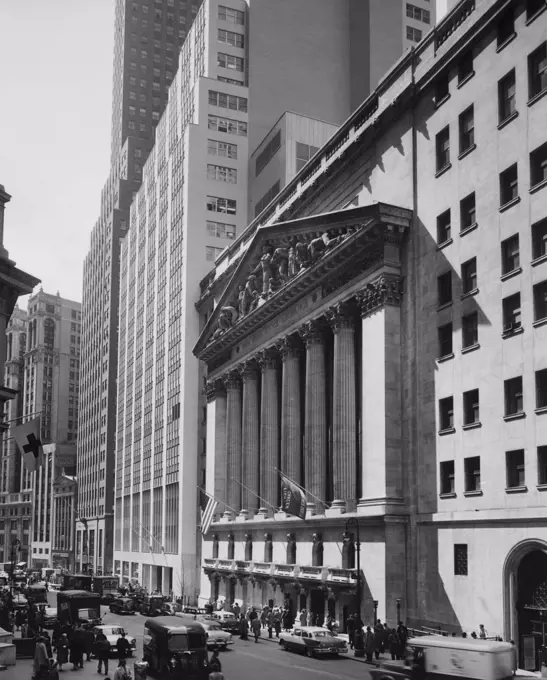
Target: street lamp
(359,642)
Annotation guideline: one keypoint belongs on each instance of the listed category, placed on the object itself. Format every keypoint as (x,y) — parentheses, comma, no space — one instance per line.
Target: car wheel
(309,653)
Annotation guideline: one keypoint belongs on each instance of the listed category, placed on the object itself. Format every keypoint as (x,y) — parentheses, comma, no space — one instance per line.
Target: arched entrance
(525,600)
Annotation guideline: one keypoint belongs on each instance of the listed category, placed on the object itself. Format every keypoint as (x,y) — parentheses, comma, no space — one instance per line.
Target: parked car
(312,641)
(50,617)
(152,605)
(19,600)
(113,634)
(122,605)
(216,637)
(227,620)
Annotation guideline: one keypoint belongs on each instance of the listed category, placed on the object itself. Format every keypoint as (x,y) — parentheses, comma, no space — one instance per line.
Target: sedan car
(227,620)
(113,634)
(312,641)
(216,637)
(122,605)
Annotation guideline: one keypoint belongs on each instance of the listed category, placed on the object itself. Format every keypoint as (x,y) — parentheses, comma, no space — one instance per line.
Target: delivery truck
(78,606)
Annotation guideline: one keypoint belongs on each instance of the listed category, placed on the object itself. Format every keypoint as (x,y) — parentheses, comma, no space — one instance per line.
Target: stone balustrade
(341,575)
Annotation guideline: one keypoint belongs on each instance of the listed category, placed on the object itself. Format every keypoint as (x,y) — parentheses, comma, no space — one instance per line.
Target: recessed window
(471,407)
(465,67)
(506,27)
(442,88)
(304,153)
(443,227)
(537,71)
(507,101)
(472,471)
(444,288)
(509,185)
(515,469)
(533,7)
(540,301)
(467,129)
(538,165)
(445,340)
(468,212)
(442,145)
(541,388)
(539,239)
(512,319)
(513,396)
(470,330)
(413,34)
(460,559)
(469,276)
(447,477)
(542,464)
(446,413)
(510,254)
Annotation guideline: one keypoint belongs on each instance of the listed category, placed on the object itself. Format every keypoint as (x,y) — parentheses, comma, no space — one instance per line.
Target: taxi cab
(312,641)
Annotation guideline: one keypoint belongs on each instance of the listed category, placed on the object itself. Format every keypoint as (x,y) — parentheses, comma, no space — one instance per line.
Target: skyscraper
(148,36)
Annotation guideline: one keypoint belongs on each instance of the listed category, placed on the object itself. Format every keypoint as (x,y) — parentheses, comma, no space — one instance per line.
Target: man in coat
(101,650)
(41,659)
(256,626)
(350,629)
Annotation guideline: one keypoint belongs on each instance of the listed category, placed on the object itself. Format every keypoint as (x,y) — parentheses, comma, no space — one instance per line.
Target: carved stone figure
(302,256)
(226,319)
(265,265)
(242,301)
(273,286)
(318,246)
(280,260)
(292,264)
(252,293)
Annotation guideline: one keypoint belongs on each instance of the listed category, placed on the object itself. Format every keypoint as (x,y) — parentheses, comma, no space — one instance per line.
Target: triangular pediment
(64,480)
(284,258)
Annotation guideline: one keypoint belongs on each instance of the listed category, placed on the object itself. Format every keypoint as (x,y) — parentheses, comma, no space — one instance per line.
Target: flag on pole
(208,506)
(294,499)
(27,439)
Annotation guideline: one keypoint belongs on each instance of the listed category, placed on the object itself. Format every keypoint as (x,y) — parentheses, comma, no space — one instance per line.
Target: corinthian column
(250,436)
(291,428)
(269,429)
(315,428)
(233,440)
(216,464)
(344,416)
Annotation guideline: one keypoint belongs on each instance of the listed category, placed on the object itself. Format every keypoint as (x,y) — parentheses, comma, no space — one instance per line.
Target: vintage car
(216,637)
(312,641)
(113,634)
(152,605)
(50,617)
(122,605)
(174,647)
(227,620)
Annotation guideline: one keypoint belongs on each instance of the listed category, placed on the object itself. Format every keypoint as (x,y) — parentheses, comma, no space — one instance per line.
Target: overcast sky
(55,98)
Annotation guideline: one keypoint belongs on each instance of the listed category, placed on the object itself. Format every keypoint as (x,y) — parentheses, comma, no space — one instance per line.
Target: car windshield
(323,634)
(178,642)
(213,626)
(112,631)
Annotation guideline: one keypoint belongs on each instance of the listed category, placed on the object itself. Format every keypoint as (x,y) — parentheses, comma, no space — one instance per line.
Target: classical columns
(344,416)
(269,429)
(315,429)
(233,439)
(250,448)
(291,426)
(216,471)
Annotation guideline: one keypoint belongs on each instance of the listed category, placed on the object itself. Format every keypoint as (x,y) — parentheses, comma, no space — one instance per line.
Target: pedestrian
(236,609)
(302,617)
(88,640)
(270,623)
(76,656)
(256,627)
(264,616)
(123,647)
(350,629)
(19,619)
(122,672)
(482,632)
(62,650)
(101,650)
(253,614)
(330,622)
(394,644)
(402,632)
(243,628)
(214,663)
(369,644)
(378,638)
(287,619)
(41,660)
(277,623)
(309,618)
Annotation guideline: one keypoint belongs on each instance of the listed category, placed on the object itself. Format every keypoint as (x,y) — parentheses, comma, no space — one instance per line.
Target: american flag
(208,506)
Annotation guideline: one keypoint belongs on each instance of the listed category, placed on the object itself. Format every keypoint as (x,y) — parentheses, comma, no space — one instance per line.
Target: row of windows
(216,148)
(231,38)
(230,61)
(234,16)
(227,101)
(221,230)
(228,125)
(515,473)
(418,13)
(221,205)
(221,173)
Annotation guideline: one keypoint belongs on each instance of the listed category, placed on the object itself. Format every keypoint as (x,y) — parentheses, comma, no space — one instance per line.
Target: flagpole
(254,494)
(308,493)
(236,512)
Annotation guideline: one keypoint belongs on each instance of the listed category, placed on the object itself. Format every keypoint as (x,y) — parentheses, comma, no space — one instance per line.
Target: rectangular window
(509,185)
(465,67)
(221,205)
(304,152)
(537,71)
(228,125)
(507,90)
(510,254)
(232,81)
(221,230)
(230,61)
(212,253)
(216,148)
(542,465)
(467,129)
(227,101)
(540,301)
(231,38)
(446,413)
(470,330)
(512,319)
(460,559)
(267,198)
(234,16)
(515,469)
(539,239)
(268,152)
(472,471)
(413,34)
(442,145)
(469,276)
(468,212)
(541,388)
(533,7)
(513,396)
(444,288)
(447,477)
(538,165)
(471,407)
(443,227)
(442,88)
(506,27)
(221,173)
(445,340)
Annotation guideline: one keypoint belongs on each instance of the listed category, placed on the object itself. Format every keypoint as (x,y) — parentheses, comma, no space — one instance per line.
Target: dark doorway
(345,614)
(231,593)
(531,606)
(317,606)
(303,601)
(159,578)
(271,604)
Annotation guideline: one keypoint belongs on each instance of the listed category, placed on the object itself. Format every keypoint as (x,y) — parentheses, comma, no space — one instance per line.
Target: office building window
(515,469)
(216,148)
(221,230)
(444,334)
(267,198)
(442,146)
(228,125)
(227,101)
(506,27)
(538,165)
(472,472)
(533,7)
(212,253)
(539,239)
(443,227)
(132,95)
(131,125)
(231,81)
(537,71)
(269,151)
(540,301)
(446,413)
(513,396)
(221,205)
(468,212)
(509,185)
(467,129)
(444,288)
(132,110)
(413,34)
(465,67)
(460,559)
(230,61)
(418,13)
(510,254)
(231,38)
(542,464)
(442,88)
(469,276)
(221,174)
(471,407)
(447,477)
(541,388)
(304,152)
(234,16)
(470,330)
(512,319)
(507,102)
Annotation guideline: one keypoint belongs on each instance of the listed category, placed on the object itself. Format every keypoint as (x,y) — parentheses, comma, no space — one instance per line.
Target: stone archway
(512,607)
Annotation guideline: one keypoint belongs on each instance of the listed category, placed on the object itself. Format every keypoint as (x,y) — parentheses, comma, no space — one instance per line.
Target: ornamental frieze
(387,289)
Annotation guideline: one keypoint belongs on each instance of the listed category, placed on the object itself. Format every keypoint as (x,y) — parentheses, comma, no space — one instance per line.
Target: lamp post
(359,642)
(375,603)
(398,603)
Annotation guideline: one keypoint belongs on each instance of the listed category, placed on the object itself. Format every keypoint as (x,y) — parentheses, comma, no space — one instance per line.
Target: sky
(55,102)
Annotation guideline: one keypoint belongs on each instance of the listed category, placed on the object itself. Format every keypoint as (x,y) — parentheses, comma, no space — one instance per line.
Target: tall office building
(243,65)
(148,36)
